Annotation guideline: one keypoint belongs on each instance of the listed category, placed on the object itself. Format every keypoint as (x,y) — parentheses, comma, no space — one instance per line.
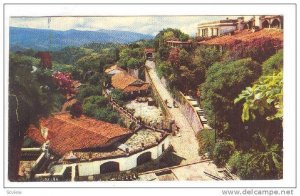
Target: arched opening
(143,158)
(246,26)
(250,25)
(68,174)
(265,24)
(149,55)
(109,167)
(275,23)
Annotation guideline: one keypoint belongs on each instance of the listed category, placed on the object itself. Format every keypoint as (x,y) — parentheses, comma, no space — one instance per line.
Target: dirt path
(185,145)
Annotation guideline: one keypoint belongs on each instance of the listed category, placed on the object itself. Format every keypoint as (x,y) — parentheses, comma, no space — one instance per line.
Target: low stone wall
(124,112)
(186,108)
(189,112)
(157,96)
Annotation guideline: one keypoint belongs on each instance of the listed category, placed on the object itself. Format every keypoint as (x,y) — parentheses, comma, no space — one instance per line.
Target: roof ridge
(80,126)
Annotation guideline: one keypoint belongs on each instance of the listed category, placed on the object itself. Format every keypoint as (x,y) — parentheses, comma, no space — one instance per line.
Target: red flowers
(64,82)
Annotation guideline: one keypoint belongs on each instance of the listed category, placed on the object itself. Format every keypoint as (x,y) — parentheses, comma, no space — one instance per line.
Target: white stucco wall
(216,30)
(125,163)
(113,72)
(227,29)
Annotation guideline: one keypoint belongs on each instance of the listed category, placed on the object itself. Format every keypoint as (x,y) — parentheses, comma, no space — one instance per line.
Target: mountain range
(43,39)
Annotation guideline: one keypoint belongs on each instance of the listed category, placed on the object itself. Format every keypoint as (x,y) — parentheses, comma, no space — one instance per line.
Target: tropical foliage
(32,95)
(265,97)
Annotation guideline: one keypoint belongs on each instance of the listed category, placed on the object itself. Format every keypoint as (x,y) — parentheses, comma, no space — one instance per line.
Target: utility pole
(50,34)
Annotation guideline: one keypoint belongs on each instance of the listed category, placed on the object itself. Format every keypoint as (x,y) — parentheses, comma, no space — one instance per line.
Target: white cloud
(145,24)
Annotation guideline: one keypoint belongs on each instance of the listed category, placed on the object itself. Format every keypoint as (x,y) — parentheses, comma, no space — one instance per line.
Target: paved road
(185,145)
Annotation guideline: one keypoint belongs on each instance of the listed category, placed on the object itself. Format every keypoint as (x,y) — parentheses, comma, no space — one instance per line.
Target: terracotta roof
(180,42)
(114,67)
(67,134)
(244,36)
(131,88)
(128,83)
(146,50)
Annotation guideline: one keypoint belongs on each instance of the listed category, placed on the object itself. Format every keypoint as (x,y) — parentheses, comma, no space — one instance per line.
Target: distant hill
(42,39)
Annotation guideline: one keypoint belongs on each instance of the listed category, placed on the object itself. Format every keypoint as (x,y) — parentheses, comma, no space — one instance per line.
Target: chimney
(44,132)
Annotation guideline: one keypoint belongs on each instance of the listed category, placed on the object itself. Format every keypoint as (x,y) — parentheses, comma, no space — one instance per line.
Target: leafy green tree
(98,47)
(30,98)
(124,57)
(168,35)
(184,57)
(264,97)
(131,57)
(133,63)
(89,108)
(70,55)
(222,152)
(87,91)
(163,68)
(118,96)
(206,56)
(273,64)
(62,67)
(136,53)
(174,57)
(107,114)
(184,37)
(163,52)
(100,101)
(238,163)
(267,163)
(186,79)
(223,84)
(206,141)
(87,63)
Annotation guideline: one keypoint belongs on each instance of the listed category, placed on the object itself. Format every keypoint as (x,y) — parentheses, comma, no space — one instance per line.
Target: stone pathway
(185,144)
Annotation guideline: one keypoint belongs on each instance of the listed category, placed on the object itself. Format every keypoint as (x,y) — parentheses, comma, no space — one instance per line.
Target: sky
(142,24)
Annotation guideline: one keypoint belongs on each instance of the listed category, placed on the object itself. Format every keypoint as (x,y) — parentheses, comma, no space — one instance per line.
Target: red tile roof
(128,83)
(244,36)
(179,42)
(67,134)
(147,50)
(132,88)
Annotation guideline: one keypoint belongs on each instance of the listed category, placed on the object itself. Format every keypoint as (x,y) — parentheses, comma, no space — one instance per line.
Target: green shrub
(118,96)
(273,64)
(163,68)
(107,114)
(222,151)
(100,101)
(88,90)
(242,165)
(238,163)
(95,79)
(206,141)
(89,109)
